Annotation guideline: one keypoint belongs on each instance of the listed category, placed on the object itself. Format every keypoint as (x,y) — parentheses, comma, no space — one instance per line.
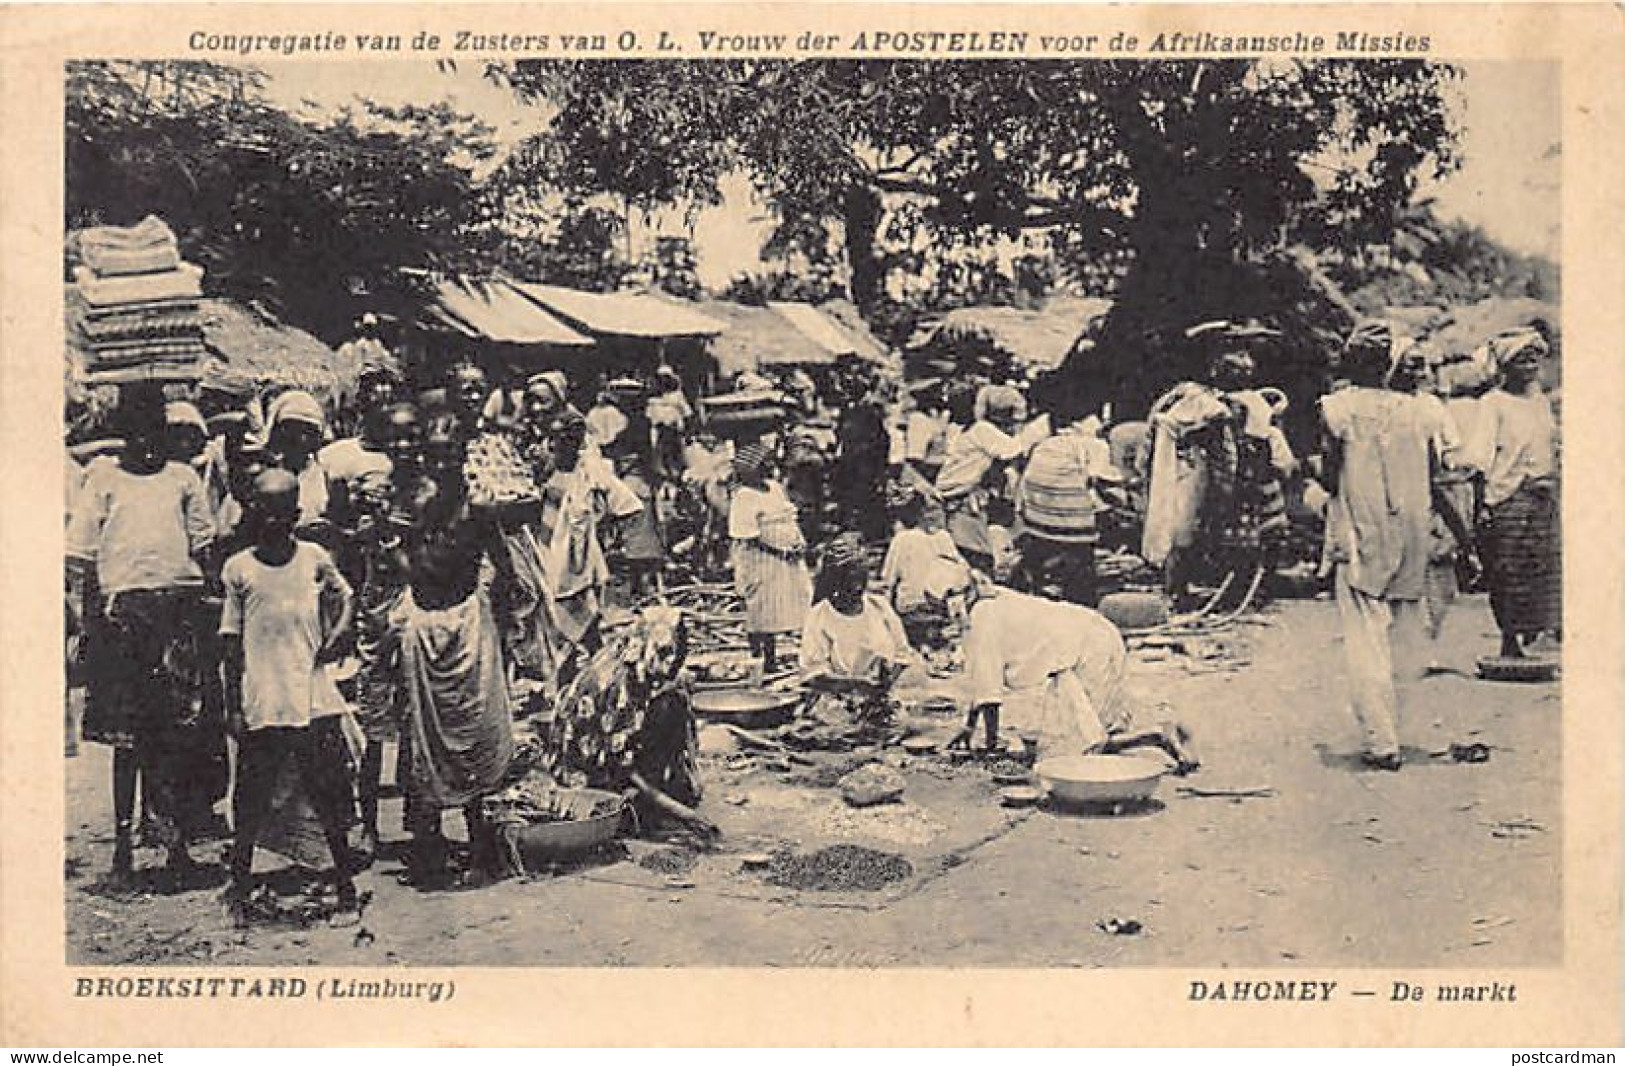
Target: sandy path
(1339,867)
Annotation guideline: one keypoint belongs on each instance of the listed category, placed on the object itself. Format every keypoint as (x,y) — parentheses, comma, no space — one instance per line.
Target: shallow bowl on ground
(714,672)
(748,708)
(577,829)
(1100,779)
(1020,796)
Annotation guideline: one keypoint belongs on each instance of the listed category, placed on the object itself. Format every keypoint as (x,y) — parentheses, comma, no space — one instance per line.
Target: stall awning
(757,337)
(494,311)
(621,314)
(826,332)
(1040,339)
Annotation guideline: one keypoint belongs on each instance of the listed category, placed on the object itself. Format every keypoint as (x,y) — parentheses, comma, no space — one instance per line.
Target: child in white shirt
(286,606)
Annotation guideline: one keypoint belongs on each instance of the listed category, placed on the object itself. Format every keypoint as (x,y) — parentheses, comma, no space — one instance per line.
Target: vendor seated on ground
(924,576)
(852,646)
(1053,672)
(626,724)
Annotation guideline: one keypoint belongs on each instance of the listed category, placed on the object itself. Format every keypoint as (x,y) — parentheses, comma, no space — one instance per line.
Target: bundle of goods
(537,800)
(743,415)
(135,305)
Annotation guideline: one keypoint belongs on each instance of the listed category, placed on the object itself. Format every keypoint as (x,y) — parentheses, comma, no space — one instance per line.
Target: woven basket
(1134,610)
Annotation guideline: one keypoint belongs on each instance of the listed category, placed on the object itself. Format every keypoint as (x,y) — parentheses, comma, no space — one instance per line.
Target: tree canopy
(1181,172)
(319,219)
(1185,190)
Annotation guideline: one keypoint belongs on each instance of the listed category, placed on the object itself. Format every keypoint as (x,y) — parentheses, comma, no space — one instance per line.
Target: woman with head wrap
(923,574)
(295,425)
(140,530)
(853,645)
(205,445)
(1214,487)
(1378,446)
(607,419)
(670,415)
(1056,498)
(1452,544)
(642,548)
(625,724)
(768,548)
(1515,446)
(188,433)
(1053,672)
(380,523)
(350,459)
(862,453)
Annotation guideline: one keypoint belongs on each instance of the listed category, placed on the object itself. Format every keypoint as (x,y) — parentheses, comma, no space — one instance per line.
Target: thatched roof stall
(1036,340)
(253,351)
(785,333)
(494,311)
(634,314)
(836,327)
(756,337)
(845,314)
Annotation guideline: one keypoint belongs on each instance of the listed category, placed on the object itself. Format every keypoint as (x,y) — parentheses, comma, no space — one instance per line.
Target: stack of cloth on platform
(135,304)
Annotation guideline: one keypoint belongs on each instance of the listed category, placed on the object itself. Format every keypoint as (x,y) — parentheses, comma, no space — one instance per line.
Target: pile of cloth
(135,304)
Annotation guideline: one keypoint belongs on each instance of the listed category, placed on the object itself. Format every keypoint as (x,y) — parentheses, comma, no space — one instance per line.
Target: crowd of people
(431,564)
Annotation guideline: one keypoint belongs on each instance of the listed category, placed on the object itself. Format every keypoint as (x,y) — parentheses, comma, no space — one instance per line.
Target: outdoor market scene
(819,513)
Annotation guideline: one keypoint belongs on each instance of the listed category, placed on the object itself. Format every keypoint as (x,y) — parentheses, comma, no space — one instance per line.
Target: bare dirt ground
(1442,864)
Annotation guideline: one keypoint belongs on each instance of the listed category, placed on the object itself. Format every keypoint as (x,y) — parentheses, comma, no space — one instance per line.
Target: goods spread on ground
(838,868)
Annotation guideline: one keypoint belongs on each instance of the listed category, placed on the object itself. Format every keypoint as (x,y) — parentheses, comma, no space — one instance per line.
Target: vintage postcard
(811,524)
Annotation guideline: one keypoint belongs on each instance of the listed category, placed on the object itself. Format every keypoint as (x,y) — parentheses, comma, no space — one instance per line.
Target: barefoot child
(285,609)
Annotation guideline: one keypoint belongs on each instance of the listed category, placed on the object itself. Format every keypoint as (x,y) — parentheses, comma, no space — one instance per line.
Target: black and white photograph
(861,513)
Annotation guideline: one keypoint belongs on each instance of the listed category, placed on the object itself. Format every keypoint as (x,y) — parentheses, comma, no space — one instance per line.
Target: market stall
(634,330)
(789,334)
(488,320)
(1031,340)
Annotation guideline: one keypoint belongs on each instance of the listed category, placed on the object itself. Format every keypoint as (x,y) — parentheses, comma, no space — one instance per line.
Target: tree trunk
(862,220)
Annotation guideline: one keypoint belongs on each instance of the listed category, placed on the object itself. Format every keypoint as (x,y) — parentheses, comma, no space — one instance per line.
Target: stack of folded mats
(136,303)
